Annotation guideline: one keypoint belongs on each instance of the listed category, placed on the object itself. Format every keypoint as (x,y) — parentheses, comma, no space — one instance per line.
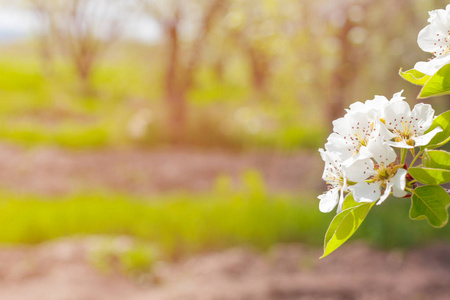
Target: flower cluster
(360,155)
(435,38)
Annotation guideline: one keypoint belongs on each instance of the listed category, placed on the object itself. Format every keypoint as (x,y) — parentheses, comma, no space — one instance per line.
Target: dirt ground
(56,171)
(62,270)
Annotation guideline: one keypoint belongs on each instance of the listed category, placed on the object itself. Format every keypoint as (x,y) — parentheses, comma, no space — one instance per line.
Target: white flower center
(404,129)
(385,173)
(444,45)
(360,136)
(334,176)
(334,180)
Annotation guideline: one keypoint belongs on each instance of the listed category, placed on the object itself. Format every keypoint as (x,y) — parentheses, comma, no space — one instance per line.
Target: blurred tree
(348,61)
(255,28)
(186,26)
(82,29)
(42,11)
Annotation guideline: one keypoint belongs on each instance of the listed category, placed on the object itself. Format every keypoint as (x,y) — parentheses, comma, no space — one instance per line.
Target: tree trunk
(175,89)
(177,116)
(45,55)
(84,74)
(343,76)
(259,63)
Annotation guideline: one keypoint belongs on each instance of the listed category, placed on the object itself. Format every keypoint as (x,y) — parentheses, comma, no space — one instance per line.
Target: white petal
(386,193)
(423,140)
(339,146)
(382,130)
(332,167)
(398,96)
(439,19)
(365,192)
(427,39)
(399,183)
(432,66)
(401,144)
(395,110)
(381,151)
(423,115)
(359,170)
(341,196)
(342,126)
(426,67)
(371,107)
(357,106)
(329,200)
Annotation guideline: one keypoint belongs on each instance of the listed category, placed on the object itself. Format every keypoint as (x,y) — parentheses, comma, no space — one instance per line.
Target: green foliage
(49,109)
(138,259)
(349,202)
(437,159)
(344,225)
(170,226)
(414,76)
(431,176)
(438,84)
(430,203)
(389,226)
(176,224)
(124,256)
(432,86)
(441,138)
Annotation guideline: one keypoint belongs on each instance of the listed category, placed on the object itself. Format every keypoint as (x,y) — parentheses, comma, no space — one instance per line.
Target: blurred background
(143,142)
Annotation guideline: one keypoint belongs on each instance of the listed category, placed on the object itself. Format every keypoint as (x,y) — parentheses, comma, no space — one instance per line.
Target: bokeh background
(142,133)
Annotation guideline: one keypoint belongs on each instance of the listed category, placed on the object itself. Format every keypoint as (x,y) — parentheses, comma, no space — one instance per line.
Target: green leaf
(437,159)
(431,203)
(438,84)
(443,121)
(414,76)
(344,225)
(349,201)
(430,175)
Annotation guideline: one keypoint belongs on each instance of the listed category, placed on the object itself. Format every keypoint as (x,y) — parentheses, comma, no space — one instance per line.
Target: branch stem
(403,155)
(415,158)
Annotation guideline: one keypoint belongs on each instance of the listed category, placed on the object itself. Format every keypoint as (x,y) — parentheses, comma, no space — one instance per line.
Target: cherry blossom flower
(333,175)
(435,38)
(360,124)
(408,127)
(378,176)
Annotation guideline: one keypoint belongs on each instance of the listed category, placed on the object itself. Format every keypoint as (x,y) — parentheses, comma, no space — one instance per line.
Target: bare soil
(57,171)
(62,270)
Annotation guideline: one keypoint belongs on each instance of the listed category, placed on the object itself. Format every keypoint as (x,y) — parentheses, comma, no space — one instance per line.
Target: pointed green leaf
(443,121)
(344,225)
(437,159)
(430,175)
(430,203)
(414,76)
(438,84)
(349,201)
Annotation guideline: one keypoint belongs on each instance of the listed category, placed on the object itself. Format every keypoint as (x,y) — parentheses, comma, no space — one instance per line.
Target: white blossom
(435,38)
(333,175)
(360,155)
(378,176)
(360,124)
(408,127)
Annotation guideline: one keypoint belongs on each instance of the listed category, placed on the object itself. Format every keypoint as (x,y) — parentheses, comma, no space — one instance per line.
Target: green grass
(182,225)
(179,224)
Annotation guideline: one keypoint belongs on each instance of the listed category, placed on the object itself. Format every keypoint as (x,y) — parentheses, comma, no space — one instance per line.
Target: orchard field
(186,166)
